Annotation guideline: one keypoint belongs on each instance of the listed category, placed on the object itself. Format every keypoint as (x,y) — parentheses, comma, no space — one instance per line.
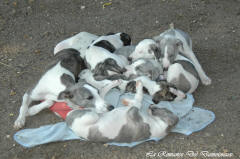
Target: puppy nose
(129,59)
(110,107)
(155,101)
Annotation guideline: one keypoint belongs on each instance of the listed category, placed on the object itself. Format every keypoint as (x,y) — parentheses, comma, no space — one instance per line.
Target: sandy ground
(30,29)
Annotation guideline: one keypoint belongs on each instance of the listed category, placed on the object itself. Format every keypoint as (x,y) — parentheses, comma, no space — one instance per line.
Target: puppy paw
(206,81)
(139,84)
(125,102)
(19,123)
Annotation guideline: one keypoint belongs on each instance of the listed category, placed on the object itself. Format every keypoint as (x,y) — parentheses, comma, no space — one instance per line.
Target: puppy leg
(180,95)
(106,89)
(137,101)
(19,123)
(189,53)
(37,108)
(176,77)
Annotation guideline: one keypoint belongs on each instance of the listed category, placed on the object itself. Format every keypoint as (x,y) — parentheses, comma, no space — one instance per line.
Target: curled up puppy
(100,58)
(135,125)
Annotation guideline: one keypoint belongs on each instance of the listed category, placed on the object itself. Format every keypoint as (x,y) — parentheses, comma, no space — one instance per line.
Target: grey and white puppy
(58,84)
(183,76)
(173,42)
(123,124)
(144,67)
(100,58)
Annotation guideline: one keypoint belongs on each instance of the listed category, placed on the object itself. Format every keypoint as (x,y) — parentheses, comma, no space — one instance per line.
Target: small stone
(14,145)
(157,21)
(105,145)
(8,136)
(83,7)
(222,135)
(206,38)
(12,93)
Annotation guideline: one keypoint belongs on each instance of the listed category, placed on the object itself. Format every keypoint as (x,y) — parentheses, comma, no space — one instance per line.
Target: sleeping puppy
(57,84)
(182,75)
(135,125)
(100,58)
(147,49)
(160,91)
(144,67)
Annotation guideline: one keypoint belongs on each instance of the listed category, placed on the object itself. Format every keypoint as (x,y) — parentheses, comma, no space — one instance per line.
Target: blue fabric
(192,119)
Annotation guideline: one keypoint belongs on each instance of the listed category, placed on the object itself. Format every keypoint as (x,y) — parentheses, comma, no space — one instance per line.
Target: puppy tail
(171,25)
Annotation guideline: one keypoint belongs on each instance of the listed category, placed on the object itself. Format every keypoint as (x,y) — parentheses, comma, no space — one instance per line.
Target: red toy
(61,109)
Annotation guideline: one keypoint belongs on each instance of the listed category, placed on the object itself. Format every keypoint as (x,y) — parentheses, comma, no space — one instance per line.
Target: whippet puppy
(58,84)
(146,48)
(183,76)
(100,58)
(160,91)
(173,42)
(144,67)
(123,124)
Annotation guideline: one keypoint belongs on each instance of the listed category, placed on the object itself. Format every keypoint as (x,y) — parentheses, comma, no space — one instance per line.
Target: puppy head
(163,95)
(170,48)
(146,48)
(163,114)
(77,96)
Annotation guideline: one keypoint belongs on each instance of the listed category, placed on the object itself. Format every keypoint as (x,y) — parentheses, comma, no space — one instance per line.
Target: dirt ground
(29,30)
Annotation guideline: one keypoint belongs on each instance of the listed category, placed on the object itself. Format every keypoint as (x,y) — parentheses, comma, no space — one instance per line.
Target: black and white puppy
(100,58)
(58,84)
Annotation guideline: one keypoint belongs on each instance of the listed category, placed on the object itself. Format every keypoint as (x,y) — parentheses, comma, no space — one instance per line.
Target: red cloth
(61,108)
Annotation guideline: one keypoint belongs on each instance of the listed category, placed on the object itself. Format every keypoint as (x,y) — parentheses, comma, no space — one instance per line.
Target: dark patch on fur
(96,135)
(67,80)
(135,129)
(101,69)
(126,39)
(189,67)
(166,115)
(75,114)
(181,83)
(156,50)
(106,45)
(72,61)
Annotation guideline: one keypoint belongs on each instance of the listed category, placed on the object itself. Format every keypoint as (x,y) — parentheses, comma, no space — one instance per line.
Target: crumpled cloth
(191,119)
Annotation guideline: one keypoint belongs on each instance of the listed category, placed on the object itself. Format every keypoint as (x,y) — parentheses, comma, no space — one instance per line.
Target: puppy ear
(179,44)
(65,95)
(156,50)
(126,39)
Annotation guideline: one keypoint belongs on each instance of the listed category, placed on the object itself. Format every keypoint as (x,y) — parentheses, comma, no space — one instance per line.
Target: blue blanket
(192,119)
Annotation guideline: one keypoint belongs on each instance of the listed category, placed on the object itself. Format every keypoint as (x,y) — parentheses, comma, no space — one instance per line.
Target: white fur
(79,42)
(141,50)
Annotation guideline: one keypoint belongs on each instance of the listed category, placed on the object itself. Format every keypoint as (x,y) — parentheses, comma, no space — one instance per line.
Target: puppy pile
(85,70)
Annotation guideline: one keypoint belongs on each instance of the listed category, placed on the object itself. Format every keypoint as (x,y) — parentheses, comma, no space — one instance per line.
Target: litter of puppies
(85,70)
